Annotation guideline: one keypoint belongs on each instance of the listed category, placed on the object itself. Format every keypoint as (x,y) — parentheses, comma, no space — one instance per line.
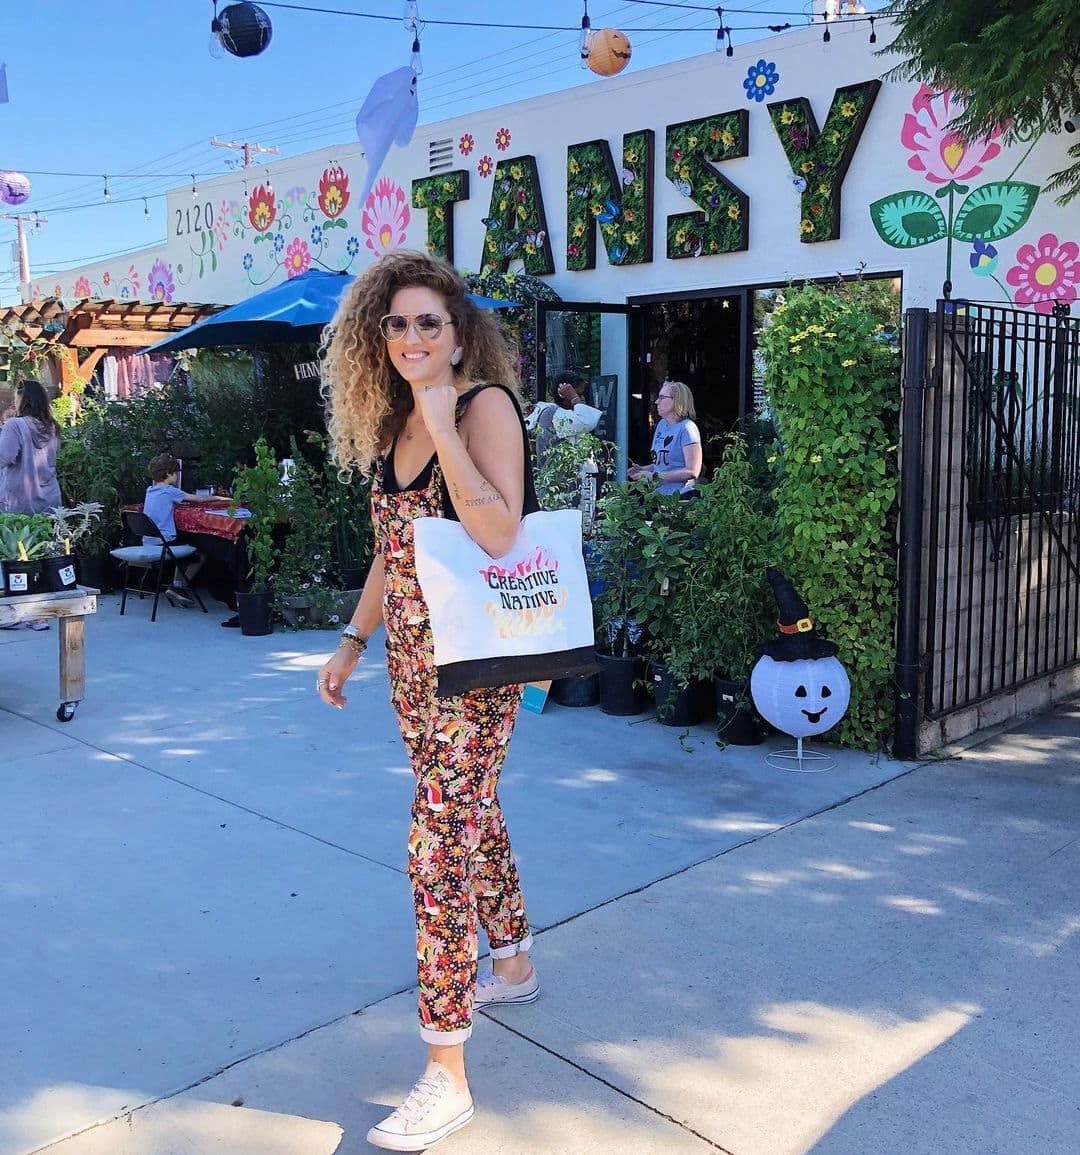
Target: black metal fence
(998,531)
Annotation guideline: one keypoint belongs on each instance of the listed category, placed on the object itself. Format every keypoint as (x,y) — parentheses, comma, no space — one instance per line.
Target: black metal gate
(990,517)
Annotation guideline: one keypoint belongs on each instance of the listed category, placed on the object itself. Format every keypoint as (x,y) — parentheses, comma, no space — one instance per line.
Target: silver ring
(319,683)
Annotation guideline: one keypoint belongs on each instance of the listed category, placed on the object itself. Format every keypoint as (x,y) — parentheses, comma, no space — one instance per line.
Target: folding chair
(149,557)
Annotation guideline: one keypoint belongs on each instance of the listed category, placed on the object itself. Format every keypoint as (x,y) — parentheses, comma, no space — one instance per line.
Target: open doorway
(700,340)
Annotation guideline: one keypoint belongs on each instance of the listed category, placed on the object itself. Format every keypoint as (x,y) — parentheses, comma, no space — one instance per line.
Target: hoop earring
(455,357)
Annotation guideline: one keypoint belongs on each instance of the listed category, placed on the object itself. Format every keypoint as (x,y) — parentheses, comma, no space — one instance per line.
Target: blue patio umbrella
(295,310)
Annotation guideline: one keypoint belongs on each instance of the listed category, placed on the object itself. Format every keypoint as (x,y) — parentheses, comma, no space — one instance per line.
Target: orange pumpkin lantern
(609,51)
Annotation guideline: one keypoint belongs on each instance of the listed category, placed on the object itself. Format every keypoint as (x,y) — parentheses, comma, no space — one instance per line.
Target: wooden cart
(70,609)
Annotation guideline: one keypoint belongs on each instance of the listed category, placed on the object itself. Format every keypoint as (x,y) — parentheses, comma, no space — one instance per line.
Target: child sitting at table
(162,497)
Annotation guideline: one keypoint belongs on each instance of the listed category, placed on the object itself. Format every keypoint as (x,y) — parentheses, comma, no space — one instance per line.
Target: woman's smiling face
(420,359)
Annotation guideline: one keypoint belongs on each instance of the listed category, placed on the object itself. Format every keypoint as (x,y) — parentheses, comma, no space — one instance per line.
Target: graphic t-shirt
(158,505)
(669,449)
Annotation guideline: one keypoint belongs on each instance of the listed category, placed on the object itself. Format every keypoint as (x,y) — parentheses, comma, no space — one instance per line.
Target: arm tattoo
(487,499)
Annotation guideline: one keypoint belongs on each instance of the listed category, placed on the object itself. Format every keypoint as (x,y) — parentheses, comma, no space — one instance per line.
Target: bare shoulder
(492,410)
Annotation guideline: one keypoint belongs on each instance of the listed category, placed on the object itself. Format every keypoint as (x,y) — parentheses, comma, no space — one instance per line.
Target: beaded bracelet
(355,642)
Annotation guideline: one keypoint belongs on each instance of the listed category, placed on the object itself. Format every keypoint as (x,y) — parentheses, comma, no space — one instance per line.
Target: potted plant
(85,479)
(301,595)
(24,540)
(615,573)
(723,609)
(70,526)
(258,487)
(347,501)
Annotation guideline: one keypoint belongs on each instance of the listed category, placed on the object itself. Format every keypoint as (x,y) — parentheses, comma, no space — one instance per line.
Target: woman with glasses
(419,385)
(676,446)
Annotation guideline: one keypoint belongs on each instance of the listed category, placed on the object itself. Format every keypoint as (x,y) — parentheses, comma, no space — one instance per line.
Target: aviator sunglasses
(394,326)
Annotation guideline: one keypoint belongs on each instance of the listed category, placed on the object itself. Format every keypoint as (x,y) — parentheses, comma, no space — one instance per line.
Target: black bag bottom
(484,673)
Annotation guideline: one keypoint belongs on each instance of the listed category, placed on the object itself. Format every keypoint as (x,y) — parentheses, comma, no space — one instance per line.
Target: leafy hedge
(832,381)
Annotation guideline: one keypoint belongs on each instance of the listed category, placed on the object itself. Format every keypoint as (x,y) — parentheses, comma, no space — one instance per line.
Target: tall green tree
(1014,62)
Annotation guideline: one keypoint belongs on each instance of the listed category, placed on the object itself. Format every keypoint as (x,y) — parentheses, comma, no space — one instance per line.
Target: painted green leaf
(908,220)
(995,210)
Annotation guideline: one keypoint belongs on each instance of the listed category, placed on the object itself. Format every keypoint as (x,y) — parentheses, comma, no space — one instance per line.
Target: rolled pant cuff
(436,1038)
(513,949)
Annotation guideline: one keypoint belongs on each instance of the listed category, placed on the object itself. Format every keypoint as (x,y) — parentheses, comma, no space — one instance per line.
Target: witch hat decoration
(798,639)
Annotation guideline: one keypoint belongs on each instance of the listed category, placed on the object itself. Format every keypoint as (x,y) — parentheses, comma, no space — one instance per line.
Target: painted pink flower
(159,282)
(935,151)
(485,166)
(82,287)
(466,144)
(297,258)
(1045,273)
(502,139)
(223,223)
(385,217)
(133,277)
(106,278)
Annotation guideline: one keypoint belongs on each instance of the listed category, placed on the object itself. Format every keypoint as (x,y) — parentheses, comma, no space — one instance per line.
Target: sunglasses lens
(394,326)
(429,325)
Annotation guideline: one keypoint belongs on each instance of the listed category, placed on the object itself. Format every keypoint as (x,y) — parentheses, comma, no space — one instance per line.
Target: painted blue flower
(249,260)
(352,246)
(761,80)
(316,235)
(279,243)
(983,259)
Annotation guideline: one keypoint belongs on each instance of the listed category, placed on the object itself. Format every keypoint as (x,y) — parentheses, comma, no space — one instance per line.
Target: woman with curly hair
(420,392)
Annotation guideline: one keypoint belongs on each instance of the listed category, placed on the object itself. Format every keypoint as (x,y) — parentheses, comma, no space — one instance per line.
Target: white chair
(149,557)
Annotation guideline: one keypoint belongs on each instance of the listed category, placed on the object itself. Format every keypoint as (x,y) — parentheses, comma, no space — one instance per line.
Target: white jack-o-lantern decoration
(802,698)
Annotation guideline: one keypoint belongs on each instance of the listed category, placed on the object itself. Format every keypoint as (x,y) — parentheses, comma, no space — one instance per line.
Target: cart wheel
(66,711)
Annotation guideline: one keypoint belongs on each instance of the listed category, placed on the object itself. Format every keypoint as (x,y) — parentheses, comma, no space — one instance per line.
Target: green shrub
(833,387)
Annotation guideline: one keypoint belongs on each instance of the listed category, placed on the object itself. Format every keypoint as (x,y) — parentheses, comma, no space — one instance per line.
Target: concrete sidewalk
(201,880)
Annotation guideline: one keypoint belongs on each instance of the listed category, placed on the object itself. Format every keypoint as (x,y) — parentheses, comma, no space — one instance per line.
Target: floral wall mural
(724,224)
(516,226)
(820,159)
(619,200)
(1044,272)
(385,217)
(437,195)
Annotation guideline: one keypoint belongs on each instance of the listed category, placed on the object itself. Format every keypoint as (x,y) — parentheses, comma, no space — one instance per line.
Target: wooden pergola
(89,329)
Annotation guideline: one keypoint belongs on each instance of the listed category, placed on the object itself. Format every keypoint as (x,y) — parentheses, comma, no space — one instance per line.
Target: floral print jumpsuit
(460,862)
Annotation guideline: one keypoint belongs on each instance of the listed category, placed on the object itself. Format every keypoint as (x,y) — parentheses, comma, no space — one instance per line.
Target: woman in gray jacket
(28,444)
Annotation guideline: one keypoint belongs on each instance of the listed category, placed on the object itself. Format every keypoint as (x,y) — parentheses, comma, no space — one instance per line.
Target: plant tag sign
(67,575)
(18,582)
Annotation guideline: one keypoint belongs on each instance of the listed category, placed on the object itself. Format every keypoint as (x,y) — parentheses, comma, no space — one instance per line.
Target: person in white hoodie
(28,444)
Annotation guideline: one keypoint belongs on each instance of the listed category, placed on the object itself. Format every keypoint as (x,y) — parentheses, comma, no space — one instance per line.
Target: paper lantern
(14,188)
(609,51)
(802,698)
(245,29)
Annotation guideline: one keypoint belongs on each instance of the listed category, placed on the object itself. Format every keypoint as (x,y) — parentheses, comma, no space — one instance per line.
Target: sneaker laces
(419,1099)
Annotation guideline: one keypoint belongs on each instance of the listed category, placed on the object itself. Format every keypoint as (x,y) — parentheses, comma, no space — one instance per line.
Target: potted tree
(258,487)
(723,609)
(347,499)
(301,593)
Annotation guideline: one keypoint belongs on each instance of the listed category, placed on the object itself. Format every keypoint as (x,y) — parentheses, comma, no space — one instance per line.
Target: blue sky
(129,87)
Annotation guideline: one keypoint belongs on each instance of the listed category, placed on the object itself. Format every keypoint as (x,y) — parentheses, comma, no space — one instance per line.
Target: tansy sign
(615,200)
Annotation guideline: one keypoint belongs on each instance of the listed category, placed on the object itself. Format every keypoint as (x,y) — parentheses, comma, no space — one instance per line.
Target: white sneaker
(178,596)
(493,990)
(433,1109)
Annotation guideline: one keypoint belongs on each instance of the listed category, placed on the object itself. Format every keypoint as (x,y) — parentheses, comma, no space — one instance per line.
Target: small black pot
(60,573)
(684,708)
(98,571)
(353,579)
(584,690)
(22,577)
(735,723)
(619,692)
(254,612)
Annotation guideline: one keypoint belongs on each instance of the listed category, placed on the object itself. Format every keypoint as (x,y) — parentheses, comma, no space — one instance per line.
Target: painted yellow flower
(530,247)
(631,155)
(596,209)
(680,236)
(573,166)
(733,212)
(796,348)
(727,138)
(834,137)
(823,190)
(502,205)
(787,116)
(579,229)
(807,166)
(815,458)
(447,186)
(522,212)
(847,363)
(805,226)
(439,213)
(419,198)
(848,109)
(516,172)
(691,142)
(630,238)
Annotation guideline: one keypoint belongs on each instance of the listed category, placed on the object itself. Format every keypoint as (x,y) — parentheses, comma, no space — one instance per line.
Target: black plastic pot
(353,579)
(98,571)
(584,690)
(735,723)
(619,693)
(682,708)
(60,573)
(22,577)
(254,612)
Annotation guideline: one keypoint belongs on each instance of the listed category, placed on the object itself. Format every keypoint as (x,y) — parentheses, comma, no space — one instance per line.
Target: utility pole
(24,255)
(248,148)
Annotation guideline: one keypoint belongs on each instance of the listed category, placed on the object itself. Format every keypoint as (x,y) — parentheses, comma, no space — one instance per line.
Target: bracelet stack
(354,641)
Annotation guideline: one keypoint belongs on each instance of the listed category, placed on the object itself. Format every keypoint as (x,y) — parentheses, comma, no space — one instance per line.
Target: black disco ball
(245,29)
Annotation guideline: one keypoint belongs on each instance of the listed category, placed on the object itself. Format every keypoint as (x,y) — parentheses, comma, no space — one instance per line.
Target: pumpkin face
(609,51)
(802,698)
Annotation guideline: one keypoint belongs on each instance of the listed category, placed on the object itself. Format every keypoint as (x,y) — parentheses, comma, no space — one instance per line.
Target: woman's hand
(332,677)
(437,405)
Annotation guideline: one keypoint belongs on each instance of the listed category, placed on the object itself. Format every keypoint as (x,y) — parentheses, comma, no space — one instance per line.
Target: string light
(586,31)
(269,183)
(416,63)
(729,52)
(145,209)
(873,34)
(194,190)
(720,28)
(411,17)
(827,38)
(105,192)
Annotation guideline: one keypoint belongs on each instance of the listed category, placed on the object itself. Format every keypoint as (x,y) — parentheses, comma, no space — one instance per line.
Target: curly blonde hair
(367,400)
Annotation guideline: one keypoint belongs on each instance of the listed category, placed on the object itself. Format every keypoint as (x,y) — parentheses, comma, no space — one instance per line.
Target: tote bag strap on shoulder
(531,503)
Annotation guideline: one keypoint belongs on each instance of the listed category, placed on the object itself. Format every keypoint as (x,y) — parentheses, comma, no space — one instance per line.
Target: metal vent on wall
(440,155)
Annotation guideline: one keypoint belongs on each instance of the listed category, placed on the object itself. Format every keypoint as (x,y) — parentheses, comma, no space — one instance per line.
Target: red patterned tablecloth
(190,518)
